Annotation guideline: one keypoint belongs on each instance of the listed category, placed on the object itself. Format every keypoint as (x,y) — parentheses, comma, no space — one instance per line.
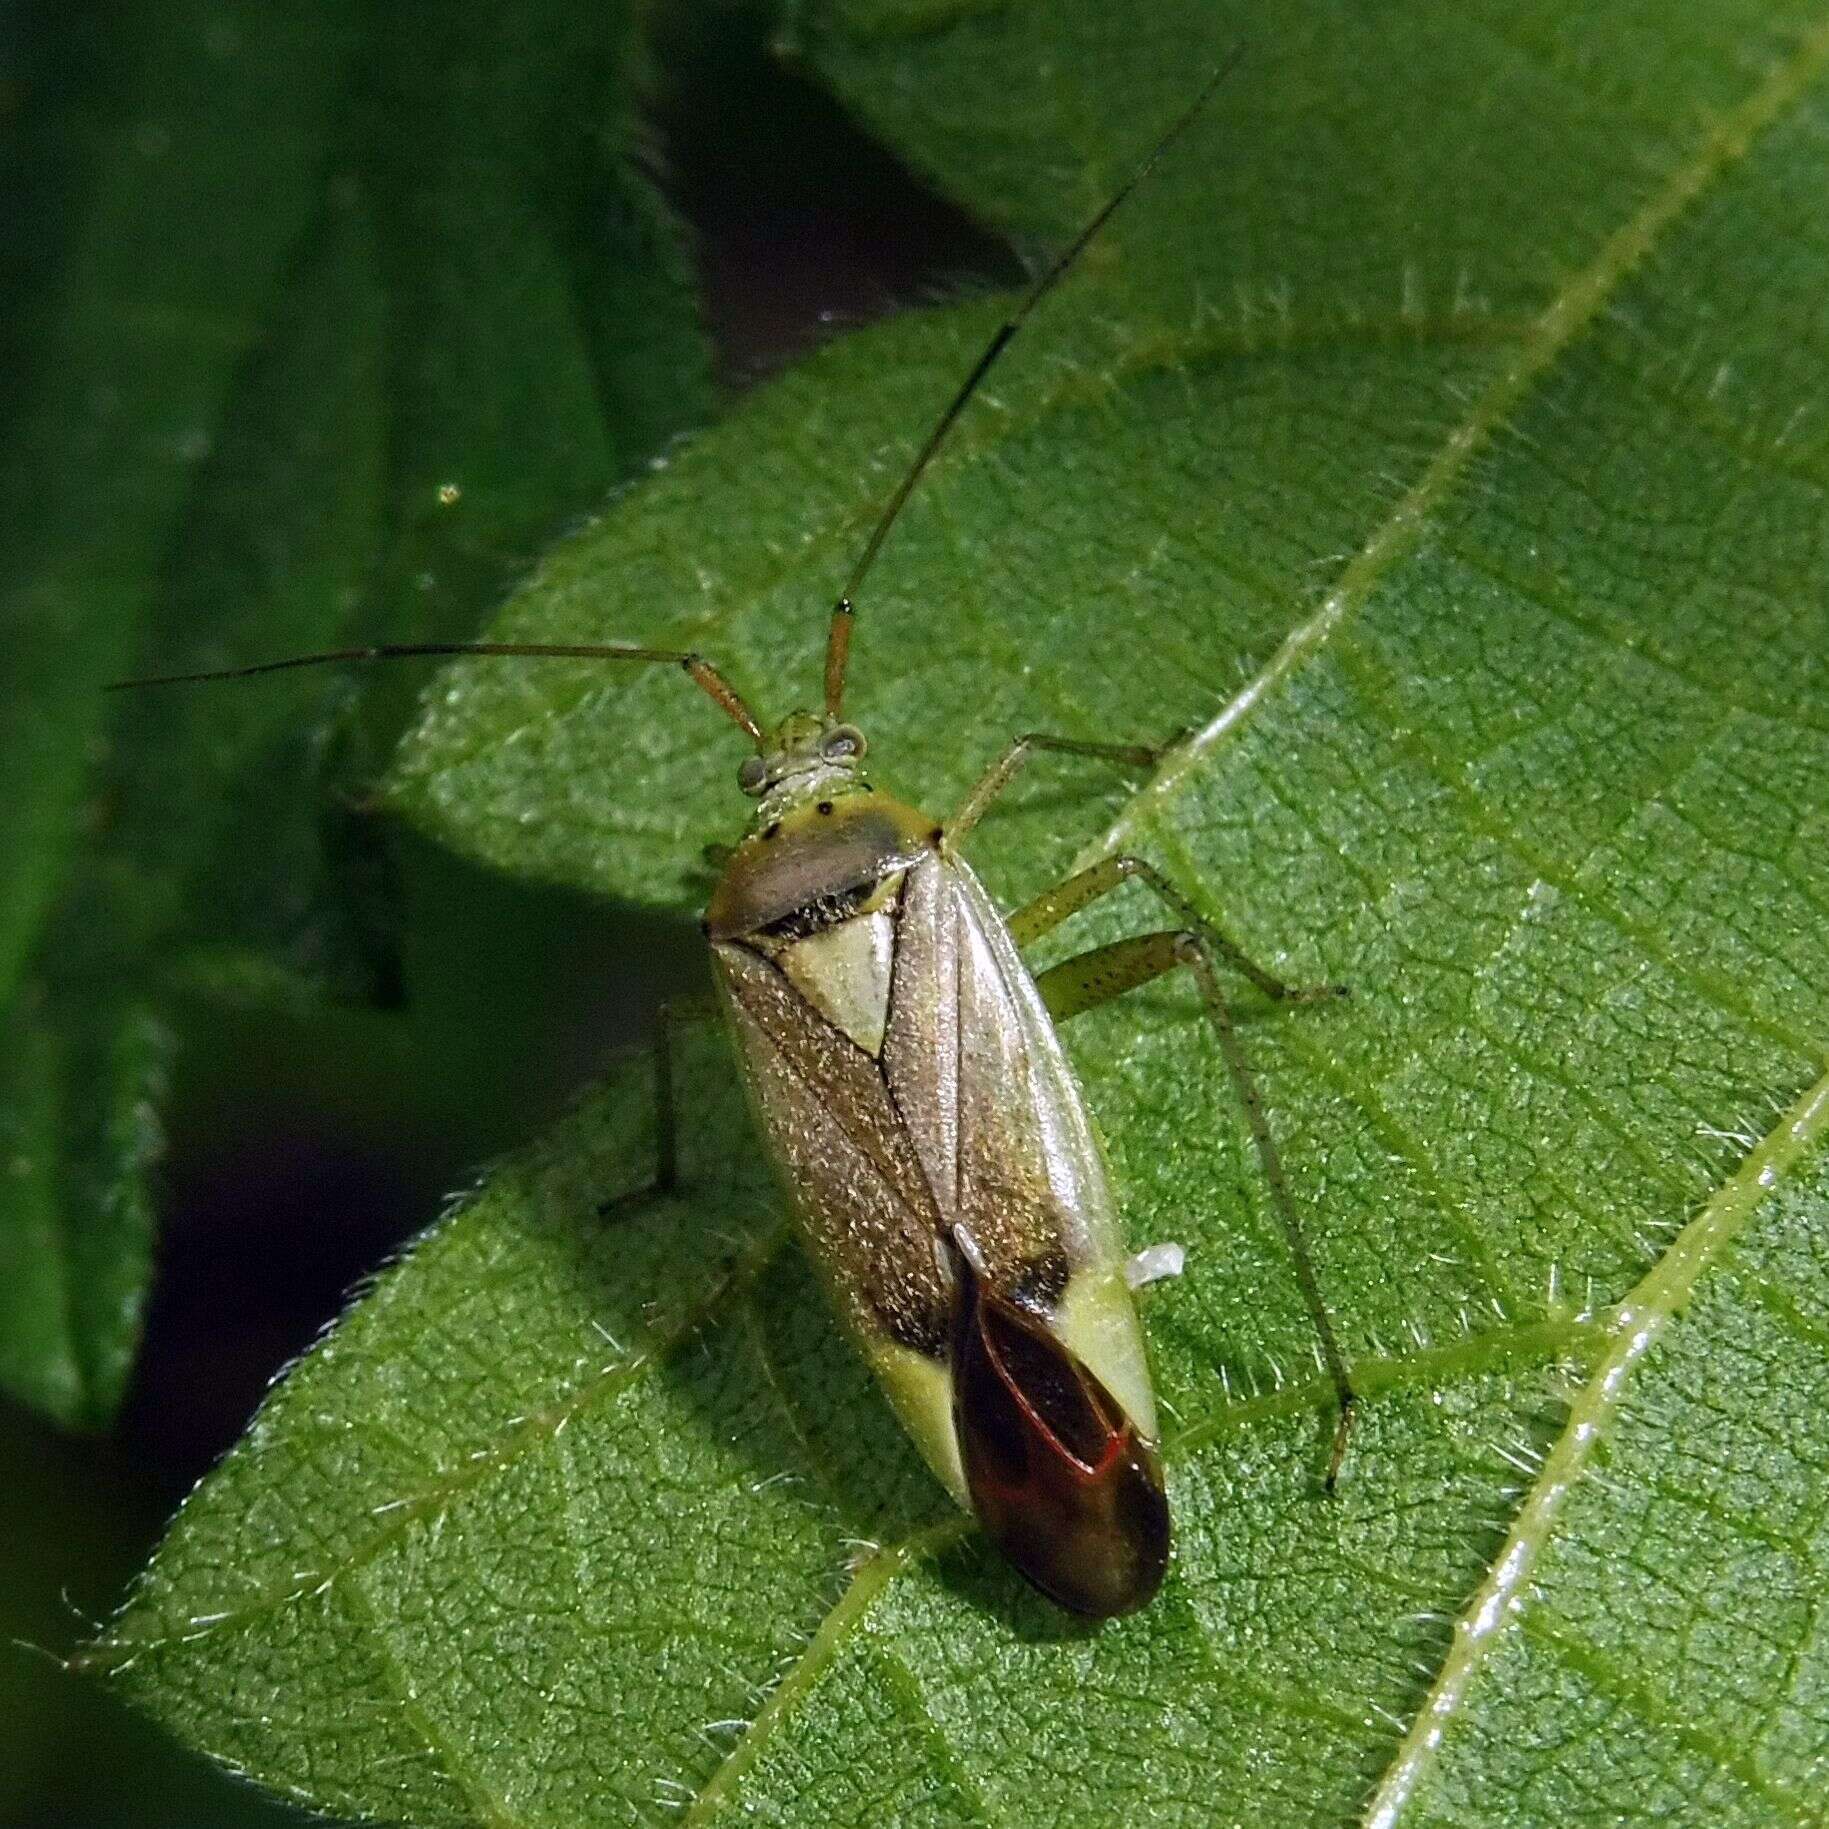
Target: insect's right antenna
(838,638)
(699,670)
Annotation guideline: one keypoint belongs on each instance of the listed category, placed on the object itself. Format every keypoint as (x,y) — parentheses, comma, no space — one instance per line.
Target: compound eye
(842,743)
(752,777)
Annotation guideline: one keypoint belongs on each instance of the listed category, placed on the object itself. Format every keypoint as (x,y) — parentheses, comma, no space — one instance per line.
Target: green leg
(1093,978)
(671,1014)
(1053,906)
(997,777)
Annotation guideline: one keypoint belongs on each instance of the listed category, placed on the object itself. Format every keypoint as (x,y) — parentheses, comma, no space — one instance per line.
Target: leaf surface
(1437,440)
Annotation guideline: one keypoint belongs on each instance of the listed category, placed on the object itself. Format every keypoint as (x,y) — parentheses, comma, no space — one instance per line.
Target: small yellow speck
(448,493)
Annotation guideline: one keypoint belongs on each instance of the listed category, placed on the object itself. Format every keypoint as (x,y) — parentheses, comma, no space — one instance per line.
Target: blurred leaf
(360,305)
(1437,438)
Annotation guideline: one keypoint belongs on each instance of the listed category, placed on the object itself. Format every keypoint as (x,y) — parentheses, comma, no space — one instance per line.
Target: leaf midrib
(1557,327)
(1643,1317)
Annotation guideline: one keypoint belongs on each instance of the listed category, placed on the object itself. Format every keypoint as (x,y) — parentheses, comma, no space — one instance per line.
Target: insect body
(902,1065)
(905,1071)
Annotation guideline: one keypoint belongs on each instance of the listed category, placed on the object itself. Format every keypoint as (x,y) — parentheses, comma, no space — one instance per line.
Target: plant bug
(904,1070)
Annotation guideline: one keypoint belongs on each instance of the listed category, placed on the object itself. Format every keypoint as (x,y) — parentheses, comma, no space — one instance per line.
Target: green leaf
(340,335)
(1436,439)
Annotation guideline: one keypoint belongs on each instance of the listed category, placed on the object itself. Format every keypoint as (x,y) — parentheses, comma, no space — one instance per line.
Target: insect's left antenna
(838,637)
(699,670)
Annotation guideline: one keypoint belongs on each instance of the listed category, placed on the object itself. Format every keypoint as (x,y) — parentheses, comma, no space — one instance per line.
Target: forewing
(975,1068)
(845,1154)
(969,1117)
(994,1112)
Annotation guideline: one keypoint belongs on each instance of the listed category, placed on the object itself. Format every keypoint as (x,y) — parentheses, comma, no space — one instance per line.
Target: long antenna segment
(838,638)
(696,667)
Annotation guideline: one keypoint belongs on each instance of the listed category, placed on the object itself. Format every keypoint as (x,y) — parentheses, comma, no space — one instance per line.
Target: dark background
(299,1155)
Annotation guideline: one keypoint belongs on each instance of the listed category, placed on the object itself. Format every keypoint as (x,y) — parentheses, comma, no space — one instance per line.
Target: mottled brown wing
(976,1070)
(967,1116)
(845,1153)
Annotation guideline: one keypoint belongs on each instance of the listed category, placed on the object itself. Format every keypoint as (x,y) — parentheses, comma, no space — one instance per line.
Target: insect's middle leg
(1093,978)
(671,1015)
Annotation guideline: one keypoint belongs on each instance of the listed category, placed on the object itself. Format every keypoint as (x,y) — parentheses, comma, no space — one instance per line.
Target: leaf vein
(491,1811)
(847,1613)
(1427,1366)
(905,1688)
(1596,1669)
(1566,608)
(1364,1096)
(1714,989)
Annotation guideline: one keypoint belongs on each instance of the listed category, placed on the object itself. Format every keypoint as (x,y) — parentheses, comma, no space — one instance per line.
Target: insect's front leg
(671,1014)
(1093,978)
(998,776)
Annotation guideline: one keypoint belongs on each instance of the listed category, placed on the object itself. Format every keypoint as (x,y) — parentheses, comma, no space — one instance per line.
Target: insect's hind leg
(1107,972)
(671,1014)
(1053,906)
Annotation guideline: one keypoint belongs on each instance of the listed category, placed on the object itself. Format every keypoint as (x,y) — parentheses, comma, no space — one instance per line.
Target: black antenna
(701,672)
(838,639)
